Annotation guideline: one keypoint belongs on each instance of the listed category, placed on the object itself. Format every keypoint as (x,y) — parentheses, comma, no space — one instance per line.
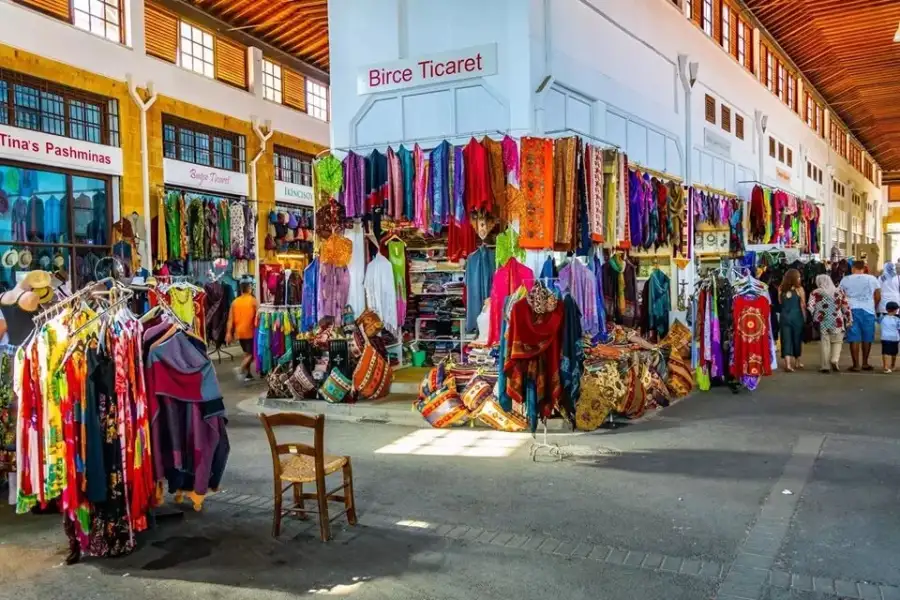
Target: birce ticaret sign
(467,63)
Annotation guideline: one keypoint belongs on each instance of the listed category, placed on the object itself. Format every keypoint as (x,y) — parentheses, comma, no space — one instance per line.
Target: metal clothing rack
(439,138)
(655,173)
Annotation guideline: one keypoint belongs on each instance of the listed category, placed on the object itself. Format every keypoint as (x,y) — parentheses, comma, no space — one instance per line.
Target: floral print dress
(830,311)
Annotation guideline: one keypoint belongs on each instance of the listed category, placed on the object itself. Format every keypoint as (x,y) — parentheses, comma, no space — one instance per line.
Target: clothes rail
(275,307)
(126,296)
(712,190)
(579,133)
(439,138)
(654,172)
(85,291)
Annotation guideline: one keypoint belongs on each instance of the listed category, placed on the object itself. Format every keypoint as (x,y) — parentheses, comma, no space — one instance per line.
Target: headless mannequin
(19,306)
(484,321)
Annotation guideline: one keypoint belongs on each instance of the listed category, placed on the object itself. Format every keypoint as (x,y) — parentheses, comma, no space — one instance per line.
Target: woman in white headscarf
(890,286)
(830,310)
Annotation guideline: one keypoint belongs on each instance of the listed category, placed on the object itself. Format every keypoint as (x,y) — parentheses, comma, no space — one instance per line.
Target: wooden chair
(298,463)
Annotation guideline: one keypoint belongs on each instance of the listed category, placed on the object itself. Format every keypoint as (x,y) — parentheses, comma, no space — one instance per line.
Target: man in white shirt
(864,293)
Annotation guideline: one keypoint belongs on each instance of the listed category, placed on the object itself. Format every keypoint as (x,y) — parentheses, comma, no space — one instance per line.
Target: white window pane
(112,33)
(82,20)
(196,50)
(208,70)
(278,97)
(186,61)
(198,66)
(82,5)
(112,14)
(277,71)
(185,29)
(207,55)
(96,7)
(207,40)
(97,24)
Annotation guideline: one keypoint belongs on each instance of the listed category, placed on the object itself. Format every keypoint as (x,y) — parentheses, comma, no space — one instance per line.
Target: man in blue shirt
(864,293)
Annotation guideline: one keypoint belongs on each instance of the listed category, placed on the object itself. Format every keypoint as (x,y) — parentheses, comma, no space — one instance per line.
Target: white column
(134,25)
(254,71)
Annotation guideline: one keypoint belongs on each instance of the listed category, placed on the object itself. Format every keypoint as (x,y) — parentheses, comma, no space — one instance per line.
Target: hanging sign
(782,175)
(294,193)
(467,63)
(56,151)
(209,179)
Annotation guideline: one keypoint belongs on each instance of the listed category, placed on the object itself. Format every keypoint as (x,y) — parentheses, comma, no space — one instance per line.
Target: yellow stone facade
(130,130)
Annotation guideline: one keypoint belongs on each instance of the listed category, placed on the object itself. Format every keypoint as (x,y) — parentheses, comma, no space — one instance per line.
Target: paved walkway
(788,492)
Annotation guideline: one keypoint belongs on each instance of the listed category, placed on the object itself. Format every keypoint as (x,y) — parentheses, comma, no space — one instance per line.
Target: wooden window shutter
(294,85)
(772,147)
(726,118)
(764,65)
(735,23)
(739,126)
(790,157)
(231,62)
(697,9)
(717,21)
(710,109)
(55,8)
(748,55)
(161,32)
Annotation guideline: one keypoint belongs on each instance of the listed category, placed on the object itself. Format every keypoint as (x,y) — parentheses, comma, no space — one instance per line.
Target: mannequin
(20,304)
(484,322)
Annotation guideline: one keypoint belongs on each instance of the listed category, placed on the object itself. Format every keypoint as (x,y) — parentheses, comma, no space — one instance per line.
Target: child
(890,336)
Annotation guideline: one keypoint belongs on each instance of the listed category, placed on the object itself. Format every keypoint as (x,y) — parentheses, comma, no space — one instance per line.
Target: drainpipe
(145,164)
(687,73)
(254,187)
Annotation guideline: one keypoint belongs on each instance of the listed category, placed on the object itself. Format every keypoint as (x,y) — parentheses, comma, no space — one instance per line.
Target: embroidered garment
(564,194)
(751,340)
(578,281)
(537,186)
(497,175)
(479,196)
(376,181)
(440,186)
(510,160)
(596,214)
(381,293)
(353,192)
(507,246)
(397,256)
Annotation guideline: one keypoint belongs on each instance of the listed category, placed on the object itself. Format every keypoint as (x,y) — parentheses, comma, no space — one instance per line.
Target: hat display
(59,261)
(10,258)
(25,259)
(44,262)
(37,280)
(292,221)
(44,294)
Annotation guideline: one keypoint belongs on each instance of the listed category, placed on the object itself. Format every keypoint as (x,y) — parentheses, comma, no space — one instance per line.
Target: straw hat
(10,258)
(37,280)
(44,294)
(25,259)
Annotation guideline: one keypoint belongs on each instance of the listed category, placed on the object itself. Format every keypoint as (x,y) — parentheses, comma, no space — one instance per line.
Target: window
(708,17)
(316,100)
(809,170)
(810,112)
(780,152)
(710,109)
(770,71)
(739,126)
(781,75)
(196,50)
(820,121)
(689,6)
(741,44)
(272,88)
(100,17)
(791,89)
(51,108)
(202,145)
(790,158)
(726,27)
(292,167)
(726,118)
(772,147)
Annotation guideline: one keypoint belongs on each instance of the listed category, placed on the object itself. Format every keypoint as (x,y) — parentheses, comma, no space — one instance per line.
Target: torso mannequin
(19,306)
(484,322)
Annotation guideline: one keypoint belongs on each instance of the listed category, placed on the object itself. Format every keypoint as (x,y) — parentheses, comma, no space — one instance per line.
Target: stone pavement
(788,492)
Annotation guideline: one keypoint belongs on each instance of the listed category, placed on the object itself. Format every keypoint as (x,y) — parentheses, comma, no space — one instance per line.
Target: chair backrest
(317,450)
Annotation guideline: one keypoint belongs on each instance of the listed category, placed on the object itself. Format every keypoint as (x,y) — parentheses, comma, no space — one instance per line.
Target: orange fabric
(243,314)
(537,187)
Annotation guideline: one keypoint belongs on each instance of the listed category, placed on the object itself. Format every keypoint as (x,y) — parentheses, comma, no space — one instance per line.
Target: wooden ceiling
(846,49)
(297,27)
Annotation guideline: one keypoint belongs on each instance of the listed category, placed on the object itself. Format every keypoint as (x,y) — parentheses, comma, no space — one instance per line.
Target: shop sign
(467,63)
(56,151)
(208,179)
(293,192)
(716,143)
(782,175)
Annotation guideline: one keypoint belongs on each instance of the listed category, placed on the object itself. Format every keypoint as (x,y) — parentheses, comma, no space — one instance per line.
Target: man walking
(241,322)
(864,293)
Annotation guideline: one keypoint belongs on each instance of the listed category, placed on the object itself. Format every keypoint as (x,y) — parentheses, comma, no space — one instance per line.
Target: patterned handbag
(476,394)
(492,415)
(370,323)
(443,408)
(301,382)
(373,375)
(336,387)
(277,383)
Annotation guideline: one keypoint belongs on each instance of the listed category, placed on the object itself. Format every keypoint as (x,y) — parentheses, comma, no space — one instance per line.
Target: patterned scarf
(617,264)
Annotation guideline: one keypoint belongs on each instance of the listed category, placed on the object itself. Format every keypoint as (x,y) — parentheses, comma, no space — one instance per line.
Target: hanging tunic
(596,210)
(353,190)
(564,194)
(610,196)
(394,186)
(408,172)
(536,227)
(480,267)
(421,182)
(376,181)
(440,186)
(580,283)
(397,257)
(479,196)
(510,160)
(460,234)
(310,296)
(507,280)
(751,337)
(381,293)
(497,174)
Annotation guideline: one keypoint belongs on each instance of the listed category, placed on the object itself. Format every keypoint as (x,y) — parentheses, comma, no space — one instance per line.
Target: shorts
(890,348)
(247,345)
(863,328)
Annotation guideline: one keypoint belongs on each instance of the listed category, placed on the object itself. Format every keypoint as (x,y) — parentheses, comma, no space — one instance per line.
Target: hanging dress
(536,227)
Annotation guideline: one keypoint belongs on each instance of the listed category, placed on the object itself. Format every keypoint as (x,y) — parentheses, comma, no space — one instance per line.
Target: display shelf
(450,294)
(460,341)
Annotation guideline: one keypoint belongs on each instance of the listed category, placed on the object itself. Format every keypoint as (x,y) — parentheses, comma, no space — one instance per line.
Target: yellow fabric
(337,250)
(182,301)
(162,244)
(243,315)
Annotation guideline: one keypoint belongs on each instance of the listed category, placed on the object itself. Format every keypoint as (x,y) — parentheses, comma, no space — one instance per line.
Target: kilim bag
(277,382)
(301,382)
(373,375)
(443,408)
(476,394)
(370,323)
(495,417)
(336,387)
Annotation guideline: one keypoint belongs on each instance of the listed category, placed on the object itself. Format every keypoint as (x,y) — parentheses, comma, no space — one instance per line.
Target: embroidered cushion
(476,393)
(301,382)
(373,375)
(680,381)
(492,415)
(632,403)
(370,323)
(336,387)
(443,408)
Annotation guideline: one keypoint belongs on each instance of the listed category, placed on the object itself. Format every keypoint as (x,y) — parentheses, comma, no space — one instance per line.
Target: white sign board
(56,151)
(294,193)
(466,63)
(208,179)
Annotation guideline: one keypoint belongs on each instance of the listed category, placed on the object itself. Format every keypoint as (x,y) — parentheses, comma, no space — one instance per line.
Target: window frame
(119,25)
(183,129)
(706,18)
(725,26)
(311,107)
(212,49)
(739,126)
(741,43)
(106,124)
(276,77)
(297,176)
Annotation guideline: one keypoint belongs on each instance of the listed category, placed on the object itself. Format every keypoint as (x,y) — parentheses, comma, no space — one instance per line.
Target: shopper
(241,320)
(830,310)
(890,337)
(890,287)
(864,293)
(792,315)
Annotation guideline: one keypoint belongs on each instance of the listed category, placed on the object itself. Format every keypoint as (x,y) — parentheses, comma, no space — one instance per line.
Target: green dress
(791,325)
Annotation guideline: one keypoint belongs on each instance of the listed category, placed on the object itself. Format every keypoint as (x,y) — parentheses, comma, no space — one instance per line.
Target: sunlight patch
(456,442)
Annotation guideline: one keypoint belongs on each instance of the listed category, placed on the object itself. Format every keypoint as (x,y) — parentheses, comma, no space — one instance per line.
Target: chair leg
(324,521)
(299,502)
(349,500)
(276,517)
